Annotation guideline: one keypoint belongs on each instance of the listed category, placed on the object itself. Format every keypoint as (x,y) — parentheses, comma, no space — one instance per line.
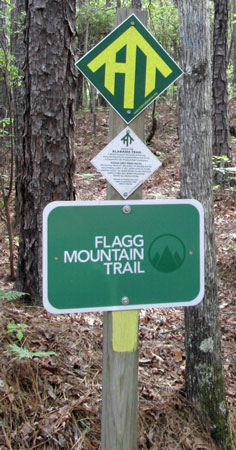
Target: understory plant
(17,329)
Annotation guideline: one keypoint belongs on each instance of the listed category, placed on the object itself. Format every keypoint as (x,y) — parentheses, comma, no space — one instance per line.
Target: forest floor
(54,401)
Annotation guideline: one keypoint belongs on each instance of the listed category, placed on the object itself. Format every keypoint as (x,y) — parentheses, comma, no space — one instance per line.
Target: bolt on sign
(129,68)
(119,255)
(126,162)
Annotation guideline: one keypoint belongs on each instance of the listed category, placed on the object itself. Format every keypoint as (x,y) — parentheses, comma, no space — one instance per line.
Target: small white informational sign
(126,162)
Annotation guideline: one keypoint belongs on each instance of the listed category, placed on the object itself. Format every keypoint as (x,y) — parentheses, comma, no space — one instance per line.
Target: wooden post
(120,330)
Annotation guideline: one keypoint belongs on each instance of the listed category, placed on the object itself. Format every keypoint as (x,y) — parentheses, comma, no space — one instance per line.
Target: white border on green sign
(56,204)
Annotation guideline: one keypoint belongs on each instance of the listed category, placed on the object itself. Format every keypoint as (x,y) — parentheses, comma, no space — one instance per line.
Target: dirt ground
(54,401)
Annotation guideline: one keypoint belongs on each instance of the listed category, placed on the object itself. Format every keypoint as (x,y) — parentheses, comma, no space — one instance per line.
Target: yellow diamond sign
(129,68)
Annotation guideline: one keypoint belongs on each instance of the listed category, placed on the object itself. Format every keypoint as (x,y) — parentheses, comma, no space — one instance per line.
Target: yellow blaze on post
(125,331)
(131,39)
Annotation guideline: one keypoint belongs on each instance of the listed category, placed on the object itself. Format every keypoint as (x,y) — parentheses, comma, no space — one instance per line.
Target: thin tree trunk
(136,4)
(204,373)
(3,45)
(19,51)
(7,138)
(234,47)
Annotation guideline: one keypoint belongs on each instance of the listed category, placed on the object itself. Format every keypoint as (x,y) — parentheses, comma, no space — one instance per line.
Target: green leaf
(18,328)
(22,352)
(11,295)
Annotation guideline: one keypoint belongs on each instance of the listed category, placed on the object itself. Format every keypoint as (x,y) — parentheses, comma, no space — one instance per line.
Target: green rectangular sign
(118,255)
(130,68)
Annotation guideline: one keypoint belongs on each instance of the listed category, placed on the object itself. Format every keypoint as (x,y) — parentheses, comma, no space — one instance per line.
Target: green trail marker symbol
(127,139)
(129,68)
(119,255)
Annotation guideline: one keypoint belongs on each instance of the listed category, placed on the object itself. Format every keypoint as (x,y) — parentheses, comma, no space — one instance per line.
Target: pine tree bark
(204,373)
(47,160)
(221,134)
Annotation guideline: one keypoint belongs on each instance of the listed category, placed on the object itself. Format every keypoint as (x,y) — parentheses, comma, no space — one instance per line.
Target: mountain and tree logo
(167,253)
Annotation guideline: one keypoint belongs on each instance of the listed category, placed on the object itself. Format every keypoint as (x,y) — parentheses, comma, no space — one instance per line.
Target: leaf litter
(54,401)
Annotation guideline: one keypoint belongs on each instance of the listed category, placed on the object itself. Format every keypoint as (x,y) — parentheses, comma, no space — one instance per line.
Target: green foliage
(232,246)
(94,21)
(4,130)
(4,123)
(10,79)
(8,69)
(16,238)
(222,158)
(6,15)
(18,329)
(22,352)
(164,25)
(231,87)
(11,295)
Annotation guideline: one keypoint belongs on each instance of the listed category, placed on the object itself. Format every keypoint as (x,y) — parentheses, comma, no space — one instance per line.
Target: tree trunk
(204,374)
(4,107)
(47,164)
(79,91)
(18,50)
(234,47)
(136,4)
(221,135)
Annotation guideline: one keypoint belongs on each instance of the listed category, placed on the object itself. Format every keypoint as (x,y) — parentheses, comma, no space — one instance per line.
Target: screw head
(125,300)
(126,209)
